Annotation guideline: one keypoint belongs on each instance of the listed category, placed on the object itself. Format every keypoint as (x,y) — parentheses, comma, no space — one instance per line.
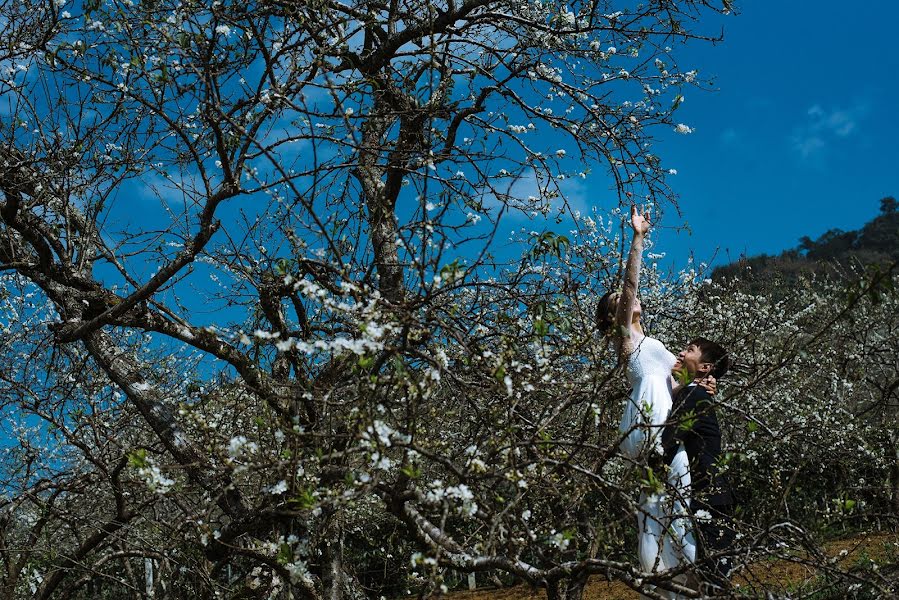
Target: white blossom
(278,488)
(240,447)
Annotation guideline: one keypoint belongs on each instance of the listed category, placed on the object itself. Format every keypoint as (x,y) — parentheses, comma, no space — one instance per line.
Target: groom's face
(690,358)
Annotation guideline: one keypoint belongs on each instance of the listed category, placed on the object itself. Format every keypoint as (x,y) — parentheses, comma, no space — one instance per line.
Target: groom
(693,423)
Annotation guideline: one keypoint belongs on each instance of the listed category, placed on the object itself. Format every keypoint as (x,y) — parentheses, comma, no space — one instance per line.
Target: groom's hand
(709,384)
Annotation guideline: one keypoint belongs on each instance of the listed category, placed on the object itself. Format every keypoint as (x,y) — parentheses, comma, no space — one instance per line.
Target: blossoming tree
(257,328)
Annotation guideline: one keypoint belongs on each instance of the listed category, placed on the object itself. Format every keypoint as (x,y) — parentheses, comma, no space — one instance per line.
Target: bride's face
(613,307)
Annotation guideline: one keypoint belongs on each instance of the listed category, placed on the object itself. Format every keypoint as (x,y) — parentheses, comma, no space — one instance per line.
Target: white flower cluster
(278,489)
(239,447)
(419,559)
(438,493)
(299,571)
(366,315)
(567,18)
(383,434)
(154,478)
(544,71)
(559,540)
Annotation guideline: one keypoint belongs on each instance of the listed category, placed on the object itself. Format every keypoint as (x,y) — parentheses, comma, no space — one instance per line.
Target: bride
(664,539)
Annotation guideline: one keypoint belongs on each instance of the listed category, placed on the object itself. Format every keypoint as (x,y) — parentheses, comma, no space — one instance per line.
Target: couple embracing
(669,423)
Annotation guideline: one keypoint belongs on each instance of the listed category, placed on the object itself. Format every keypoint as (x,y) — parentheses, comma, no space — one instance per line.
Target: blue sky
(800,136)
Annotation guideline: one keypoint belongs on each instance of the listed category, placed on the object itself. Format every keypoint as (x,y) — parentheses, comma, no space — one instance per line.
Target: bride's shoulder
(638,337)
(651,344)
(632,340)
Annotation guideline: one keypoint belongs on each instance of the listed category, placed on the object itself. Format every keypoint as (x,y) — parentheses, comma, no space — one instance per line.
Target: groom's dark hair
(713,353)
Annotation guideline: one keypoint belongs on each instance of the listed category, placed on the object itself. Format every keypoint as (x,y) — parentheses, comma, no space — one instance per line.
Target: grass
(796,577)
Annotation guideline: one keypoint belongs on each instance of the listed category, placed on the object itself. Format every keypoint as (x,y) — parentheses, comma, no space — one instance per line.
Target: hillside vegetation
(836,251)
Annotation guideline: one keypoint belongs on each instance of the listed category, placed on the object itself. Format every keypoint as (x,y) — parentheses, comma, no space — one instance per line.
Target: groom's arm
(680,424)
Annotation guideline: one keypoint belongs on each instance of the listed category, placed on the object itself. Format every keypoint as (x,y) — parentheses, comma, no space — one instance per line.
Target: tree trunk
(381,218)
(337,582)
(8,588)
(569,588)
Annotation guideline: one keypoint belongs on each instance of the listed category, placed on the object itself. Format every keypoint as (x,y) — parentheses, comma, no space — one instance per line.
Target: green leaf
(652,480)
(285,554)
(548,242)
(683,376)
(137,458)
(411,471)
(687,421)
(282,266)
(305,499)
(398,366)
(452,272)
(545,441)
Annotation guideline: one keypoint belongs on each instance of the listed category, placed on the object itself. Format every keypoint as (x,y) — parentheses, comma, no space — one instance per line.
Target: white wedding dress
(665,540)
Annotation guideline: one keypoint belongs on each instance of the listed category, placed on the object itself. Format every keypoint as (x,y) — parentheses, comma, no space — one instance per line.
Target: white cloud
(526,195)
(825,126)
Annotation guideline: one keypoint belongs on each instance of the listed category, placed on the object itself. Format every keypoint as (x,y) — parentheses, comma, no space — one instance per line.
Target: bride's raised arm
(624,316)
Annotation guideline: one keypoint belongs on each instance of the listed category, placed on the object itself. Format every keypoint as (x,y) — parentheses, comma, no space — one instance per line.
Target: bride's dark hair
(605,312)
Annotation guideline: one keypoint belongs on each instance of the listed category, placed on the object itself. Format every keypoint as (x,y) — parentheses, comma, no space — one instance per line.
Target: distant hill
(877,242)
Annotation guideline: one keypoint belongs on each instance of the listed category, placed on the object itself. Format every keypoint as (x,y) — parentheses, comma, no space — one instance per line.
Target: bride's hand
(639,222)
(710,384)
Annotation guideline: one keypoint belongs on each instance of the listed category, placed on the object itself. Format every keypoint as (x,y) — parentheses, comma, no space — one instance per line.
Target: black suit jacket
(694,423)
